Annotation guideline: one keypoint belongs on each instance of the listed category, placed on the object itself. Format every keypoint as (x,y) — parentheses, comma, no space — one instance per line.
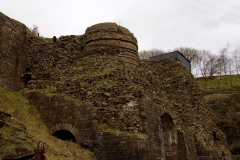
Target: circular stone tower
(111,39)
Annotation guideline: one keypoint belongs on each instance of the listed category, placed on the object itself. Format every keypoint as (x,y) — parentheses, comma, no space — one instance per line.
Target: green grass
(25,128)
(47,40)
(216,82)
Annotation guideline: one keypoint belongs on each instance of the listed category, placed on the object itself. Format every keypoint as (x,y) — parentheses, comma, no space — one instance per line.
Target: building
(176,55)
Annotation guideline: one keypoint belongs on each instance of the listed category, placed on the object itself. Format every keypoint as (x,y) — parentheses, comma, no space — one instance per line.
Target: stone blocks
(111,39)
(13,52)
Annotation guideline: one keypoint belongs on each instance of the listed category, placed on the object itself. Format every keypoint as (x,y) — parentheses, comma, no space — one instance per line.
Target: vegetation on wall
(25,128)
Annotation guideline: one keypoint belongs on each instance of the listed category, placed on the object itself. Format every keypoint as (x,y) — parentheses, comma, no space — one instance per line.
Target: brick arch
(66,126)
(169,129)
(173,138)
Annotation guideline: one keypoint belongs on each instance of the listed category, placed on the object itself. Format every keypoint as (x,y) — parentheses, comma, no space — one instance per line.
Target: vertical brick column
(13,52)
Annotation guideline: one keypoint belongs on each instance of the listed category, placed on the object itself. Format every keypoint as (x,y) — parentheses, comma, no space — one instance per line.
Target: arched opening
(26,76)
(235,151)
(216,141)
(169,131)
(64,135)
(169,137)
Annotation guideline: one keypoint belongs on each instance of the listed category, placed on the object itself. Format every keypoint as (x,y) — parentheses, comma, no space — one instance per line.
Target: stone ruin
(93,90)
(111,39)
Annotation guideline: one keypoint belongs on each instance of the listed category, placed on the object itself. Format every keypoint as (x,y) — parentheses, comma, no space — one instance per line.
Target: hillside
(224,100)
(217,82)
(25,129)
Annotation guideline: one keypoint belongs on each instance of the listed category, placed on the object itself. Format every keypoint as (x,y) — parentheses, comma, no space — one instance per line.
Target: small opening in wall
(169,130)
(26,76)
(214,135)
(84,146)
(27,69)
(236,151)
(216,140)
(64,135)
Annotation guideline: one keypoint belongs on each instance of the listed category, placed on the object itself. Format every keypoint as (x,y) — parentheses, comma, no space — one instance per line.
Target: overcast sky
(157,24)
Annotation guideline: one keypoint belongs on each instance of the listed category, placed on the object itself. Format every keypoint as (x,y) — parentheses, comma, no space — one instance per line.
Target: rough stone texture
(154,111)
(46,57)
(131,113)
(111,39)
(13,52)
(226,105)
(188,107)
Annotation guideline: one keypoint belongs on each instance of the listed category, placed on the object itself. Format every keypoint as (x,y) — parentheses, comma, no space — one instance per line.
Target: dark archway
(217,142)
(26,76)
(169,137)
(169,130)
(235,151)
(64,135)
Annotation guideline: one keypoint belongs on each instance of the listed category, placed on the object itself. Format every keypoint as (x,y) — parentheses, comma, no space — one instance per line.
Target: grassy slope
(25,128)
(227,111)
(216,82)
(226,105)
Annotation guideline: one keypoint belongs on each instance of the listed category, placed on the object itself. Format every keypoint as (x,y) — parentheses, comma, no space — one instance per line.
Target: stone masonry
(112,39)
(89,86)
(13,52)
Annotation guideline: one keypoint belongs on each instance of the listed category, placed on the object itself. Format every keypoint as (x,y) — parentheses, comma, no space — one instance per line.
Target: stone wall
(81,84)
(111,39)
(61,112)
(126,103)
(47,56)
(81,120)
(127,106)
(190,112)
(13,52)
(226,105)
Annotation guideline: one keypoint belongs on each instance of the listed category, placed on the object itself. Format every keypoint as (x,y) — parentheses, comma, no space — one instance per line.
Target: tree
(211,65)
(191,54)
(230,65)
(35,30)
(146,54)
(223,60)
(236,59)
(203,59)
(207,63)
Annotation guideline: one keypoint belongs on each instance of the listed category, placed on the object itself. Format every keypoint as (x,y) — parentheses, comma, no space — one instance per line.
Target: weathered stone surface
(129,101)
(13,52)
(111,39)
(88,86)
(226,106)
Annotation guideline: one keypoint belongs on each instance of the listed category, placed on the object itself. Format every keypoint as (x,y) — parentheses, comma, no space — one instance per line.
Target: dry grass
(30,129)
(216,96)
